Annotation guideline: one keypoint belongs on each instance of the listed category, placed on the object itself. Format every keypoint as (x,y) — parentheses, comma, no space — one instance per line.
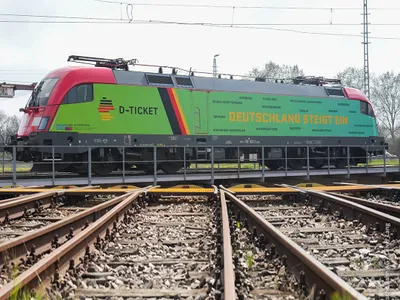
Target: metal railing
(257,162)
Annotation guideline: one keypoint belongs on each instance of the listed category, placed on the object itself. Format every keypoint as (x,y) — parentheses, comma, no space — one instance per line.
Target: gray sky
(29,50)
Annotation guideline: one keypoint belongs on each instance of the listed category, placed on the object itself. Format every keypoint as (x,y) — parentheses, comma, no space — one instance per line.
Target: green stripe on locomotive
(122,109)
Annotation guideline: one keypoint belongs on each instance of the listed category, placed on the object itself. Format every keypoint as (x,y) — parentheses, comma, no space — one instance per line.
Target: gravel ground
(254,200)
(154,253)
(35,220)
(348,248)
(375,198)
(260,273)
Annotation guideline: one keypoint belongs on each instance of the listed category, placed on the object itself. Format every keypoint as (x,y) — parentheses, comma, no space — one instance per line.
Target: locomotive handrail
(13,174)
(209,146)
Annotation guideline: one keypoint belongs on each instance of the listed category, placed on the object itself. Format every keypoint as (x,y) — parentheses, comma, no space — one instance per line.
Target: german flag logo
(104,109)
(174,111)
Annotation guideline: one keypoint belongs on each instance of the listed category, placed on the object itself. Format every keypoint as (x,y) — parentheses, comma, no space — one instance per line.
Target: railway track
(158,253)
(360,254)
(39,210)
(28,247)
(181,245)
(189,242)
(30,221)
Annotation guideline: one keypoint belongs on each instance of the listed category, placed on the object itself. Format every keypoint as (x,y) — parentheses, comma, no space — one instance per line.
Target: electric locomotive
(114,116)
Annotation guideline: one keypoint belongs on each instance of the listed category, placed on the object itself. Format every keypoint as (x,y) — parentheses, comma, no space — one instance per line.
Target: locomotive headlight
(43,123)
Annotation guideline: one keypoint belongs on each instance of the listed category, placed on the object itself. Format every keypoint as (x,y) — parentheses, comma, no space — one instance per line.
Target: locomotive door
(200,112)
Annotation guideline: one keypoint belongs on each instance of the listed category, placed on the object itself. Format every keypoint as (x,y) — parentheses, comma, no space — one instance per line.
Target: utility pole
(366,46)
(215,66)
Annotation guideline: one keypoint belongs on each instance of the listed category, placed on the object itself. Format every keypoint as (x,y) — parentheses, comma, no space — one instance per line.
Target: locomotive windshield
(40,95)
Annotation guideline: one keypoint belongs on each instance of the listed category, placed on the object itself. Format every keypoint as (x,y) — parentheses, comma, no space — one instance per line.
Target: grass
(21,167)
(339,296)
(19,293)
(256,166)
(249,166)
(380,161)
(24,294)
(250,259)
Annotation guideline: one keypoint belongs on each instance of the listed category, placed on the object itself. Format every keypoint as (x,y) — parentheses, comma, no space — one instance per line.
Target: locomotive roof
(226,85)
(107,75)
(300,86)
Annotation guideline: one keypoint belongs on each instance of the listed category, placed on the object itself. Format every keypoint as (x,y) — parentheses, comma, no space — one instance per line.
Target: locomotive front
(33,136)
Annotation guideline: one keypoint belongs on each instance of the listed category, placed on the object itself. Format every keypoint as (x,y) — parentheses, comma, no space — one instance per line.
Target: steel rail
(16,249)
(59,259)
(384,207)
(15,198)
(229,275)
(372,186)
(221,187)
(362,213)
(16,207)
(215,189)
(300,263)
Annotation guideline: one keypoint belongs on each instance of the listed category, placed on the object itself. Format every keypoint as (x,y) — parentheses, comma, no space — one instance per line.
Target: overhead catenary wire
(250,26)
(254,26)
(190,23)
(242,6)
(130,19)
(22,70)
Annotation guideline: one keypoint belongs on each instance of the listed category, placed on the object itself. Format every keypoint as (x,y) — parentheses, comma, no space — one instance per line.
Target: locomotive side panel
(117,109)
(139,110)
(288,116)
(106,109)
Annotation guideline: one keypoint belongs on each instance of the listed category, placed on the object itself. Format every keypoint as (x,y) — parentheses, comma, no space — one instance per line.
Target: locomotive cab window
(366,109)
(41,94)
(370,111)
(79,94)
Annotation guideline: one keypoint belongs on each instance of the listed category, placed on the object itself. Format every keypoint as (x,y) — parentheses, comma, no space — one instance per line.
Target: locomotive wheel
(171,167)
(297,164)
(149,169)
(41,167)
(296,160)
(317,163)
(81,169)
(103,166)
(340,163)
(273,164)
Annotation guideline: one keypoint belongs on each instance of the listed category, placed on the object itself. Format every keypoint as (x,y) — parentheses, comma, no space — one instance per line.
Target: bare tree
(8,126)
(273,70)
(352,77)
(386,97)
(3,118)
